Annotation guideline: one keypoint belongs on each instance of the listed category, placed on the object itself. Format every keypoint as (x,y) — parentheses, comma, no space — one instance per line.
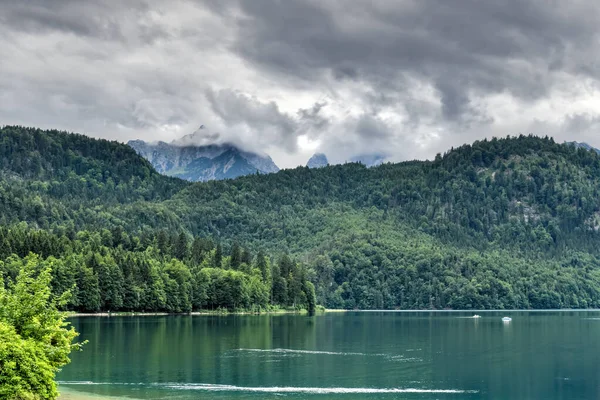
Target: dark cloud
(481,46)
(312,118)
(91,19)
(583,123)
(263,122)
(406,78)
(236,109)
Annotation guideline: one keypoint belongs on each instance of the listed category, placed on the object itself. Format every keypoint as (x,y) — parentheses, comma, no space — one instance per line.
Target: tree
(218,259)
(197,252)
(181,247)
(162,242)
(286,266)
(236,256)
(246,256)
(279,287)
(26,374)
(89,291)
(263,265)
(35,341)
(311,299)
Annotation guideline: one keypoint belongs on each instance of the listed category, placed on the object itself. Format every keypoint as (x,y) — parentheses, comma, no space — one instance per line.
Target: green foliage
(34,339)
(500,223)
(24,373)
(106,277)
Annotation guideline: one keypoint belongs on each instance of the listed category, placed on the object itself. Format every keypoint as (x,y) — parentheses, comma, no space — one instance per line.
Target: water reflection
(552,355)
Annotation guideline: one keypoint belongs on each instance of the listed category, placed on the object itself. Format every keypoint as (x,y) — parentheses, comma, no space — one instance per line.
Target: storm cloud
(402,78)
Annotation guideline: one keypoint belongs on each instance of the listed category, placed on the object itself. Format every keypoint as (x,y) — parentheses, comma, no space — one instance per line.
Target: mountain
(511,223)
(202,163)
(318,160)
(369,160)
(583,145)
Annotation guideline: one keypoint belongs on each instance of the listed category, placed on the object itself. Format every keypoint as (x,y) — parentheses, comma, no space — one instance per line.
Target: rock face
(318,160)
(583,146)
(202,163)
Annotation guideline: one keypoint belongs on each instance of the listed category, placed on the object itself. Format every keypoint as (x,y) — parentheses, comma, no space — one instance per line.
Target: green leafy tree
(311,298)
(35,340)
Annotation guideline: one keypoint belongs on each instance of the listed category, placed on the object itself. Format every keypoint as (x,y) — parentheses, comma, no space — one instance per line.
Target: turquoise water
(354,355)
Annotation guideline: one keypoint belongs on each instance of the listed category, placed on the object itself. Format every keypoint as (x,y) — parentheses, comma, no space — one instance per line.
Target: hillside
(502,223)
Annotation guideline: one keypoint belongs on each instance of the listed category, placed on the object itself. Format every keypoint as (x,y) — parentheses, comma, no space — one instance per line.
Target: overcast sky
(403,78)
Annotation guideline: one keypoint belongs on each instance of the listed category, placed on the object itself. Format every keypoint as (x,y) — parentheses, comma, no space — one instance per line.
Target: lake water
(354,355)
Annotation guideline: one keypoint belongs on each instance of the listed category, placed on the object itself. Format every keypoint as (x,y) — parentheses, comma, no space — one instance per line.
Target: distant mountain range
(319,160)
(202,163)
(186,159)
(583,145)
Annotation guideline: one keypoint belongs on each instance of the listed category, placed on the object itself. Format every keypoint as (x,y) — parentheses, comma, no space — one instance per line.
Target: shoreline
(304,312)
(194,313)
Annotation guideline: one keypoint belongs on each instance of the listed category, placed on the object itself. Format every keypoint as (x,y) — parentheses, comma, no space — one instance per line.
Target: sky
(403,78)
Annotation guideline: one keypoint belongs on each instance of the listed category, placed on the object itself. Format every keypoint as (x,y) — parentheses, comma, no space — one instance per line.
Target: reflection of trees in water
(189,348)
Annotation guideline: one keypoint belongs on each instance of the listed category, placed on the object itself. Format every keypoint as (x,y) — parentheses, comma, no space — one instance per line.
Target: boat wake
(293,352)
(310,390)
(277,389)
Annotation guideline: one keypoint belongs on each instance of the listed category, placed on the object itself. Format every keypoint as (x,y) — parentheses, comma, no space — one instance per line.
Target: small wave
(309,390)
(405,359)
(292,351)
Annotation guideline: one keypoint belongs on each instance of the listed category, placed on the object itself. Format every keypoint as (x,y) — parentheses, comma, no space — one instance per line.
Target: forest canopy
(502,223)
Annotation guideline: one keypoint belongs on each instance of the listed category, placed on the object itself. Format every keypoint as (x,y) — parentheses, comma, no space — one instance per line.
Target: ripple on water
(296,352)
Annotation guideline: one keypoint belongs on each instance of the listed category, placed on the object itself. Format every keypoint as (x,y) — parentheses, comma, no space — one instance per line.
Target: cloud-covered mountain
(200,163)
(369,160)
(318,160)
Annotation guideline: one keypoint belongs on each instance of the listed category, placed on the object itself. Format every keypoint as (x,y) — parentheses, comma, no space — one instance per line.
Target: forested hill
(501,223)
(73,166)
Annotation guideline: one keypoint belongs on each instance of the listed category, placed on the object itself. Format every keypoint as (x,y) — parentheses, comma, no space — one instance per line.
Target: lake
(352,355)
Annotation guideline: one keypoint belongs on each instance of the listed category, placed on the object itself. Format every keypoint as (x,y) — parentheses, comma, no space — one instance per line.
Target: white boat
(476,316)
(507,319)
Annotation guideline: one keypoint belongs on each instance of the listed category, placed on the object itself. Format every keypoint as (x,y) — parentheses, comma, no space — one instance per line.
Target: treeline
(113,271)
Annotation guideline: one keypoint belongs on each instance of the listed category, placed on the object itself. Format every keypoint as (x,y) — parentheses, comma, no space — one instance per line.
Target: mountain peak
(583,145)
(189,159)
(317,160)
